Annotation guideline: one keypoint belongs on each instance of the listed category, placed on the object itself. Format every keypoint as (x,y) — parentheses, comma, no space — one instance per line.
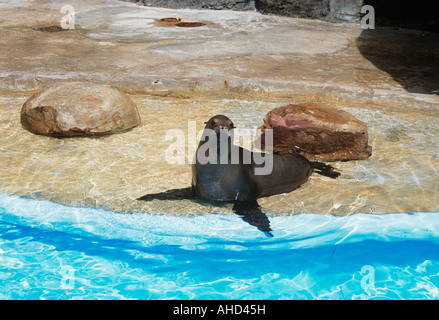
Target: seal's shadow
(249,211)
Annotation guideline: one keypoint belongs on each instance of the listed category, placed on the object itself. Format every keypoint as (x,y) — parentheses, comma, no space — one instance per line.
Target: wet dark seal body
(238,182)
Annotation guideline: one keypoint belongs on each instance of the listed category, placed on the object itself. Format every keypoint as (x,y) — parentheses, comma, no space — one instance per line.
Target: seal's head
(219,122)
(218,130)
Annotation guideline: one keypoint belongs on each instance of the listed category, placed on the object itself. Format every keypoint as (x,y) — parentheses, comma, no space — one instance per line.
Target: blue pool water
(49,251)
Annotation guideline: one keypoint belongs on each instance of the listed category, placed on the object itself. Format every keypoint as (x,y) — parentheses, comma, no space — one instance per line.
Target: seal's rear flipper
(173,194)
(250,212)
(324,169)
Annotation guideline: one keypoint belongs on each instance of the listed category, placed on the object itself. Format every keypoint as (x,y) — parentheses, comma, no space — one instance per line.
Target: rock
(297,8)
(201,4)
(331,10)
(77,108)
(317,131)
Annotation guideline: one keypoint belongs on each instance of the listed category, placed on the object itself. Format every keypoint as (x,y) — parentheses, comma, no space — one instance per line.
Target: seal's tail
(324,169)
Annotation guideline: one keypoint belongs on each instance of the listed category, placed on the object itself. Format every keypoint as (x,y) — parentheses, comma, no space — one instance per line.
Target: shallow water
(49,251)
(330,237)
(111,172)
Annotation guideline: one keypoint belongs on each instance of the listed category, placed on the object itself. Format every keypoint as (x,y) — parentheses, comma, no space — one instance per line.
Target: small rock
(317,131)
(78,108)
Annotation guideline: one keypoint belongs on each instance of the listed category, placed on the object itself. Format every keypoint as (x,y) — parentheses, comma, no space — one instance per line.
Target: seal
(223,171)
(223,179)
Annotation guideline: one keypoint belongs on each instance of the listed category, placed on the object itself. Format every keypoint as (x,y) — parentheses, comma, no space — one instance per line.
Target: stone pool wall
(330,10)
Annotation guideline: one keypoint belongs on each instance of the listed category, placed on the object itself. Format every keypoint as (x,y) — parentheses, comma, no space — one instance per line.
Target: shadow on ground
(412,57)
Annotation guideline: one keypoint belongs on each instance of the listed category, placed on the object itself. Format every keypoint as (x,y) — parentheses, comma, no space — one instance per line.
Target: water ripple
(49,251)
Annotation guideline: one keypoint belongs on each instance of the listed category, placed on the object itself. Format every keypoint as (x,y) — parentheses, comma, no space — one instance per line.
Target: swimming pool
(51,251)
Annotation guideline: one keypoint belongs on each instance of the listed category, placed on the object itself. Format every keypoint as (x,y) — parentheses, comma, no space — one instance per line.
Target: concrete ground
(124,44)
(239,63)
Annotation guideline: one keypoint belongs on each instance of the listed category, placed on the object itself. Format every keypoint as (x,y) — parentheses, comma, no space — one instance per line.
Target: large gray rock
(201,4)
(296,8)
(331,10)
(78,108)
(317,131)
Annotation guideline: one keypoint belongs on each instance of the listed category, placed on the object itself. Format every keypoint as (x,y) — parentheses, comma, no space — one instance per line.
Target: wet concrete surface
(111,172)
(241,64)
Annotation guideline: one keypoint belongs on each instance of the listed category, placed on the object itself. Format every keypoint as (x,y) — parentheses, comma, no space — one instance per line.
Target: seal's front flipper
(250,212)
(173,194)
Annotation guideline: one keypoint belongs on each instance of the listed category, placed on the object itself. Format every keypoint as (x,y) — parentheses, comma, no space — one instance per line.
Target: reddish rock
(317,131)
(77,108)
